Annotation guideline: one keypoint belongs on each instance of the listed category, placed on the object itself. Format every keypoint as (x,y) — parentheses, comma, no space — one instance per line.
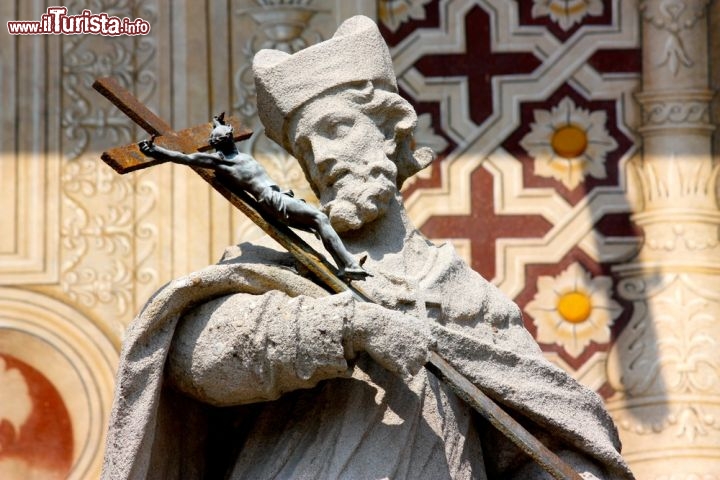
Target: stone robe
(252,332)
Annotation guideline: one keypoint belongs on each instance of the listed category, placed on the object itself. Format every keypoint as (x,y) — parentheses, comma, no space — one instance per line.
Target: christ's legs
(302,214)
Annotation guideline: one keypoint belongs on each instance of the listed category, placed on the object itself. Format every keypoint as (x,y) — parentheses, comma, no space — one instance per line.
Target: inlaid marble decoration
(534,103)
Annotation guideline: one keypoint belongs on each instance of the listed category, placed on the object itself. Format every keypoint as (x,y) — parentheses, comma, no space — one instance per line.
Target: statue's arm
(199,159)
(251,348)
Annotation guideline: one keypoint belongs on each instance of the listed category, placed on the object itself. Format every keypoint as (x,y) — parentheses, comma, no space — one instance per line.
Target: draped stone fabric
(336,419)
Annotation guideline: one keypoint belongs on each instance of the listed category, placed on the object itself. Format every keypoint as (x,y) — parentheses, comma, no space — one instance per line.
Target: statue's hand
(148,148)
(399,342)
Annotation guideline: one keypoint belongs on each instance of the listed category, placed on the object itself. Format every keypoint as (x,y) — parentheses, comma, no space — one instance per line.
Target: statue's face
(346,157)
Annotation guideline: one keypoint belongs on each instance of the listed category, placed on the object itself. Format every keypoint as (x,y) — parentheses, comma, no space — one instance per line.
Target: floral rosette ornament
(393,13)
(566,13)
(573,309)
(568,143)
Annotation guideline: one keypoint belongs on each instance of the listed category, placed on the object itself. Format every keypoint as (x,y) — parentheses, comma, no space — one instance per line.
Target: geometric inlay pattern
(536,105)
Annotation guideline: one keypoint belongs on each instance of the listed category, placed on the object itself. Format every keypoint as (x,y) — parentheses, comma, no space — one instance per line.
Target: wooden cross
(129,158)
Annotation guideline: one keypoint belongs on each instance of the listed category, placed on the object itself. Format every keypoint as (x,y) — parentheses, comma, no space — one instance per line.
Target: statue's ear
(411,164)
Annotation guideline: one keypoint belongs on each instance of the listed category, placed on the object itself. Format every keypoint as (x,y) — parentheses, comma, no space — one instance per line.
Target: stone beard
(349,142)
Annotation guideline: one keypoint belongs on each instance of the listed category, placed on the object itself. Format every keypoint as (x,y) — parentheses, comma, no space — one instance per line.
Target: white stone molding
(29,156)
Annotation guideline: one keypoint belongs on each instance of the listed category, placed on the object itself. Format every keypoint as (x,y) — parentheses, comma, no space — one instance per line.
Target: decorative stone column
(665,364)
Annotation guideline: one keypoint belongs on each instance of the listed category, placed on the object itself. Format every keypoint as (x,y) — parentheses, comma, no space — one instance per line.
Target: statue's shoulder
(447,263)
(269,267)
(260,252)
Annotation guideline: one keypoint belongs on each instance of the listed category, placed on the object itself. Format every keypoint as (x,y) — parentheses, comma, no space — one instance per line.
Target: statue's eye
(339,128)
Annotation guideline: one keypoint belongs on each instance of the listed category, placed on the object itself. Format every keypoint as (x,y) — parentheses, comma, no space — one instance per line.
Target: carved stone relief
(664,364)
(677,19)
(105,234)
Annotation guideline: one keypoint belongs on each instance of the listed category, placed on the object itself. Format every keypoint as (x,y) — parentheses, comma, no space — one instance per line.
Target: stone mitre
(284,82)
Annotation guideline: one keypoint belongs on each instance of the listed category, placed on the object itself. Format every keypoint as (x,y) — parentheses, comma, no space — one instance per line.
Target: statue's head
(335,107)
(221,132)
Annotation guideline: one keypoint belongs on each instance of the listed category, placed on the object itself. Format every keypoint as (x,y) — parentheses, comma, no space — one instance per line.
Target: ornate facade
(576,170)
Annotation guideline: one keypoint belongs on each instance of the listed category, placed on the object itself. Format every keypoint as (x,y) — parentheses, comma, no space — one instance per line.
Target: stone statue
(247,369)
(241,172)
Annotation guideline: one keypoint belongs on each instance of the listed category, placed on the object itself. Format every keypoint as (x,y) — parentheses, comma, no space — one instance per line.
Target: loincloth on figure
(276,202)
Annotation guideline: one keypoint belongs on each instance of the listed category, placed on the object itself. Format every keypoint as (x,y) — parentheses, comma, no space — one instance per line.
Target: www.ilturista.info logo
(57,22)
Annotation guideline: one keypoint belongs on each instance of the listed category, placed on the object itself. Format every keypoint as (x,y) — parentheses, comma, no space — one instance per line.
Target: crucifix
(129,158)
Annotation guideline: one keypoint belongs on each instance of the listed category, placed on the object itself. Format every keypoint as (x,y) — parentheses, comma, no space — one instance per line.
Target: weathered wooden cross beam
(129,158)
